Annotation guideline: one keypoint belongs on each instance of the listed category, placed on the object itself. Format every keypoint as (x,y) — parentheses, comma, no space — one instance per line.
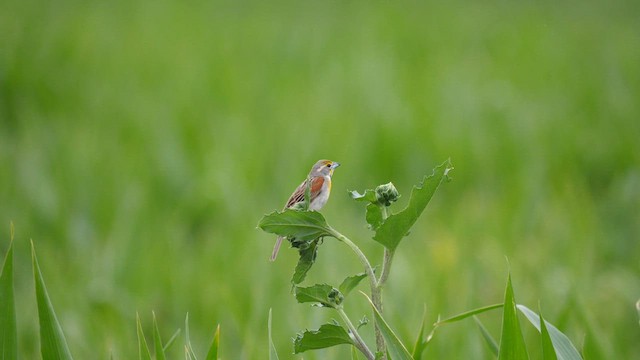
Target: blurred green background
(141,142)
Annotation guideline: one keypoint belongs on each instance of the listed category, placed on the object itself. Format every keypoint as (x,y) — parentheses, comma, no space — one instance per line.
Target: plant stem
(359,343)
(363,259)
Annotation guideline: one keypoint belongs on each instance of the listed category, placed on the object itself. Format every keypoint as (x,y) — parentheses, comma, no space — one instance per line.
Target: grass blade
(8,331)
(396,349)
(157,340)
(488,339)
(420,345)
(512,344)
(143,348)
(273,354)
(548,352)
(171,341)
(467,314)
(561,343)
(187,346)
(213,350)
(53,345)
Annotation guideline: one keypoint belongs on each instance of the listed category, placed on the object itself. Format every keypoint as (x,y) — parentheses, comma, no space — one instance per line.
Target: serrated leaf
(395,348)
(308,255)
(143,348)
(8,330)
(302,225)
(488,339)
(157,340)
(350,283)
(374,216)
(561,343)
(467,314)
(369,195)
(320,294)
(512,344)
(212,354)
(273,354)
(327,335)
(396,226)
(53,344)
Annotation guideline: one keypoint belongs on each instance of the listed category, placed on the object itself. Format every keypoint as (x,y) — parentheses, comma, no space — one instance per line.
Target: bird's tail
(276,248)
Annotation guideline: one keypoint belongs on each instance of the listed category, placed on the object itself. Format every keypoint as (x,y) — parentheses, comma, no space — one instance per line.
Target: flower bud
(386,194)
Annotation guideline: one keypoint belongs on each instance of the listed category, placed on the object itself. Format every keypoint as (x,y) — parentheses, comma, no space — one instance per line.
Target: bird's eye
(329,165)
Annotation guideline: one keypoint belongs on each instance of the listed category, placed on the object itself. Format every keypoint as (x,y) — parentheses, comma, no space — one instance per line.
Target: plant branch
(363,259)
(359,343)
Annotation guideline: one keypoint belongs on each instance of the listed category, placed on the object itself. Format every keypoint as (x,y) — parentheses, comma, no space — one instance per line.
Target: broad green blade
(548,352)
(212,354)
(8,332)
(512,344)
(171,341)
(350,283)
(157,340)
(53,345)
(488,339)
(395,348)
(327,335)
(561,343)
(143,348)
(273,354)
(396,226)
(190,354)
(467,314)
(308,255)
(302,225)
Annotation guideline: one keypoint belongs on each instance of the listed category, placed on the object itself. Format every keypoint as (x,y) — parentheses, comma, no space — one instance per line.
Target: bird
(319,182)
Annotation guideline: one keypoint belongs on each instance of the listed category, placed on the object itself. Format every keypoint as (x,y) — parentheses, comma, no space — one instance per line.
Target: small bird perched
(319,182)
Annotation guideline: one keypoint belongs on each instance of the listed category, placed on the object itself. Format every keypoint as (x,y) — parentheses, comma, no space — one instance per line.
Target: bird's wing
(298,195)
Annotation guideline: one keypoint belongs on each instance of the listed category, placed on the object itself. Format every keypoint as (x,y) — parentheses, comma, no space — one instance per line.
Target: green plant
(306,229)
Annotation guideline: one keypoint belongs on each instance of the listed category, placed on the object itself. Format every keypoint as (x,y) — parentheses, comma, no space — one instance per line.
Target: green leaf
(467,314)
(212,354)
(396,226)
(354,353)
(488,339)
(53,345)
(396,349)
(143,348)
(273,354)
(548,352)
(171,341)
(374,216)
(188,349)
(308,255)
(319,294)
(561,343)
(512,344)
(326,336)
(638,309)
(302,225)
(369,195)
(157,340)
(8,331)
(420,344)
(350,283)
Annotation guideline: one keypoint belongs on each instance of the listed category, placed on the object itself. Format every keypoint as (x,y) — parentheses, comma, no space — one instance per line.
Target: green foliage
(308,252)
(564,349)
(273,353)
(512,344)
(327,335)
(488,339)
(548,351)
(143,348)
(212,354)
(157,341)
(397,226)
(350,282)
(53,344)
(301,225)
(395,347)
(321,295)
(8,332)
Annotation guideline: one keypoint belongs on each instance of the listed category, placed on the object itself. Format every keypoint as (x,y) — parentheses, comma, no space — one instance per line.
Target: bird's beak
(335,165)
